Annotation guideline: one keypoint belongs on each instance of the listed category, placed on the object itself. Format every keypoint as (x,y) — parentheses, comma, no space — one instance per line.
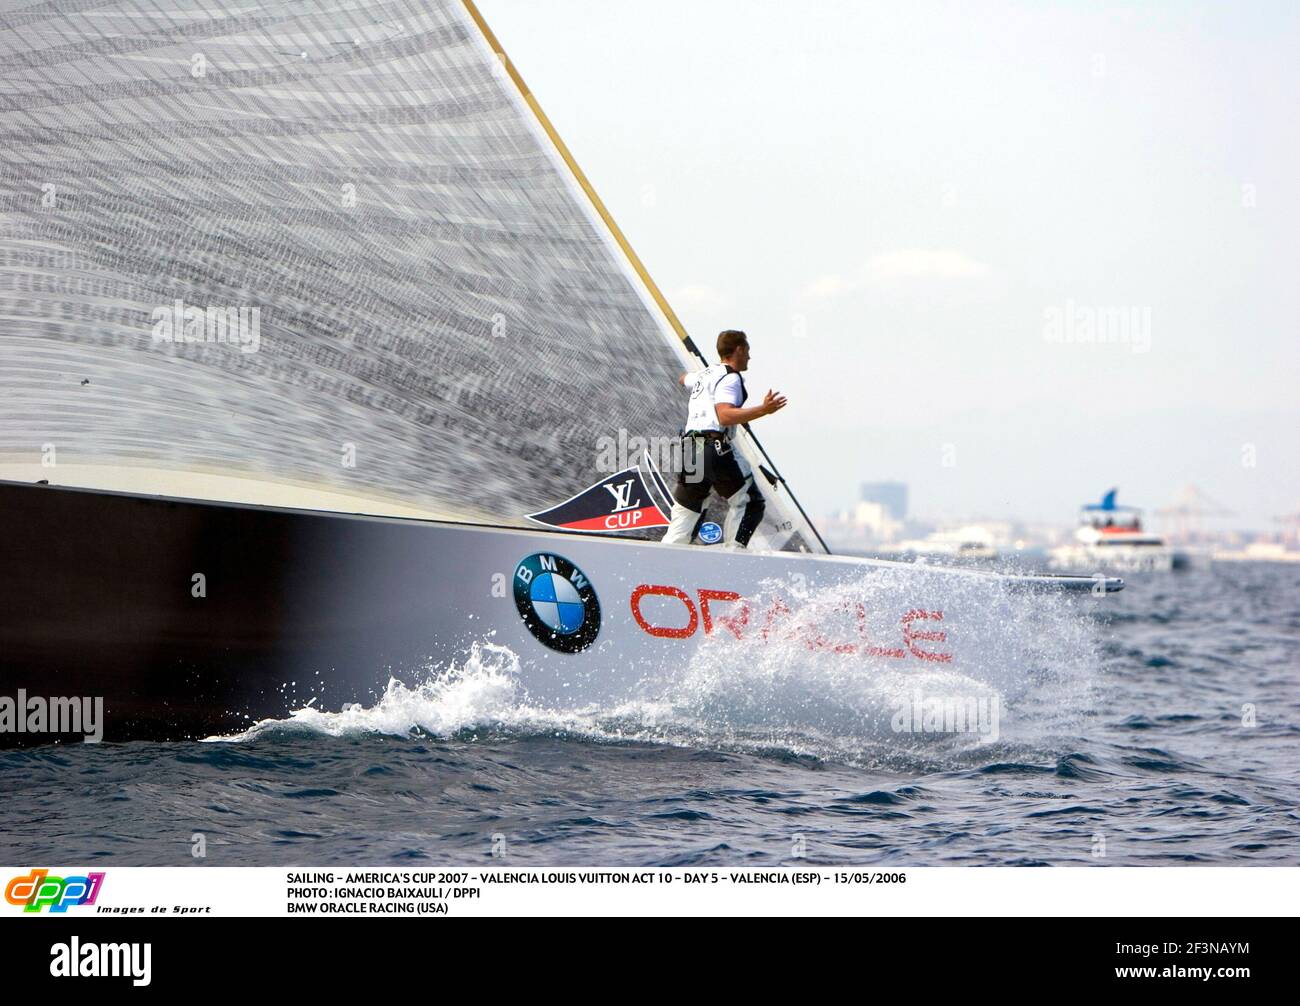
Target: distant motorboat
(971,543)
(1111,537)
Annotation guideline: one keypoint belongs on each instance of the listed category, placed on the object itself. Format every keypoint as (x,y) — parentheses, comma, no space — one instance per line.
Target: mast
(776,481)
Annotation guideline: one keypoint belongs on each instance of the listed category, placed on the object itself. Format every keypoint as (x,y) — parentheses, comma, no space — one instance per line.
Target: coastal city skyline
(1190,512)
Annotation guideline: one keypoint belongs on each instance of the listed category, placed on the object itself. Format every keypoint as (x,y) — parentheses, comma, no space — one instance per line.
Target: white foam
(482,690)
(1032,654)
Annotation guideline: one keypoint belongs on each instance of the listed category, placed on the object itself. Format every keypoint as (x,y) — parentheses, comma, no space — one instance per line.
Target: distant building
(891,495)
(876,520)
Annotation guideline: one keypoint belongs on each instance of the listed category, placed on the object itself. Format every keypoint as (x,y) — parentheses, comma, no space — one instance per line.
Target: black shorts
(707,465)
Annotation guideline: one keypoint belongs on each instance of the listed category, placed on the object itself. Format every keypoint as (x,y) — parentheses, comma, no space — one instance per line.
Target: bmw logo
(557,602)
(710,533)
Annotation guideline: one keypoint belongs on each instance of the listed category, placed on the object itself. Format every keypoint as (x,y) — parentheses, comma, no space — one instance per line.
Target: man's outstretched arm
(731,415)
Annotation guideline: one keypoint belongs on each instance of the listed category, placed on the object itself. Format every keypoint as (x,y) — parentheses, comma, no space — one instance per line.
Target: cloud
(826,286)
(700,297)
(904,266)
(923,263)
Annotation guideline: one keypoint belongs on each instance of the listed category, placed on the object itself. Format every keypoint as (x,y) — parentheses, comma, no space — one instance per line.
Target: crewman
(709,458)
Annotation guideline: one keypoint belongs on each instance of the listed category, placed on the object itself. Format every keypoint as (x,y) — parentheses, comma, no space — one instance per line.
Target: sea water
(1157,726)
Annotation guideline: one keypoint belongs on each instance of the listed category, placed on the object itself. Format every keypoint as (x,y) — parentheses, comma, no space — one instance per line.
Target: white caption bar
(311,892)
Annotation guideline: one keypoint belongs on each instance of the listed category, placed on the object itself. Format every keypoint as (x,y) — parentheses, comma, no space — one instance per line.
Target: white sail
(328,255)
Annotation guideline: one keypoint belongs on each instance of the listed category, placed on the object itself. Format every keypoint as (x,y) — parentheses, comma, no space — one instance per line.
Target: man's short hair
(730,341)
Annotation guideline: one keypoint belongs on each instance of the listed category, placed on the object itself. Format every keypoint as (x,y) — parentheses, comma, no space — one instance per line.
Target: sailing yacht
(306,310)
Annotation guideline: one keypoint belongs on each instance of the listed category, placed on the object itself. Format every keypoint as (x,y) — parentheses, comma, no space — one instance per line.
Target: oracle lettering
(727,612)
(660,630)
(910,635)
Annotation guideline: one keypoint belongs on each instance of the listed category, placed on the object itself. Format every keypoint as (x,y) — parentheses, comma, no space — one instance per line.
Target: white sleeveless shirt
(713,386)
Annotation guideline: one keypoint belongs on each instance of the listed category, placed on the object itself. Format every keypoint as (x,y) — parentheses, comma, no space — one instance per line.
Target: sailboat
(307,312)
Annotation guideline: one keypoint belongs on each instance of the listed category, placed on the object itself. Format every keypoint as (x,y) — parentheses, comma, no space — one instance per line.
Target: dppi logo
(557,602)
(39,890)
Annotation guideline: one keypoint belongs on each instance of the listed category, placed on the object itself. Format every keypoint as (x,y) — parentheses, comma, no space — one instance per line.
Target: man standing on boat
(709,460)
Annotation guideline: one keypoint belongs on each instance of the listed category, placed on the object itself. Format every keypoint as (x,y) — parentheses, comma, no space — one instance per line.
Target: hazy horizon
(925,216)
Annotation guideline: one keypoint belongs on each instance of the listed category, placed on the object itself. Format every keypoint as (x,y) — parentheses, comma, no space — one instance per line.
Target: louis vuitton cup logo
(630,500)
(622,493)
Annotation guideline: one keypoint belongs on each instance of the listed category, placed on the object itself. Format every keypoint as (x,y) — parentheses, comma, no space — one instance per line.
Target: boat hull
(191,618)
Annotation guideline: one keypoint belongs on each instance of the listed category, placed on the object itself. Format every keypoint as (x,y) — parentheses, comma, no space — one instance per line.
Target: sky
(1011,254)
